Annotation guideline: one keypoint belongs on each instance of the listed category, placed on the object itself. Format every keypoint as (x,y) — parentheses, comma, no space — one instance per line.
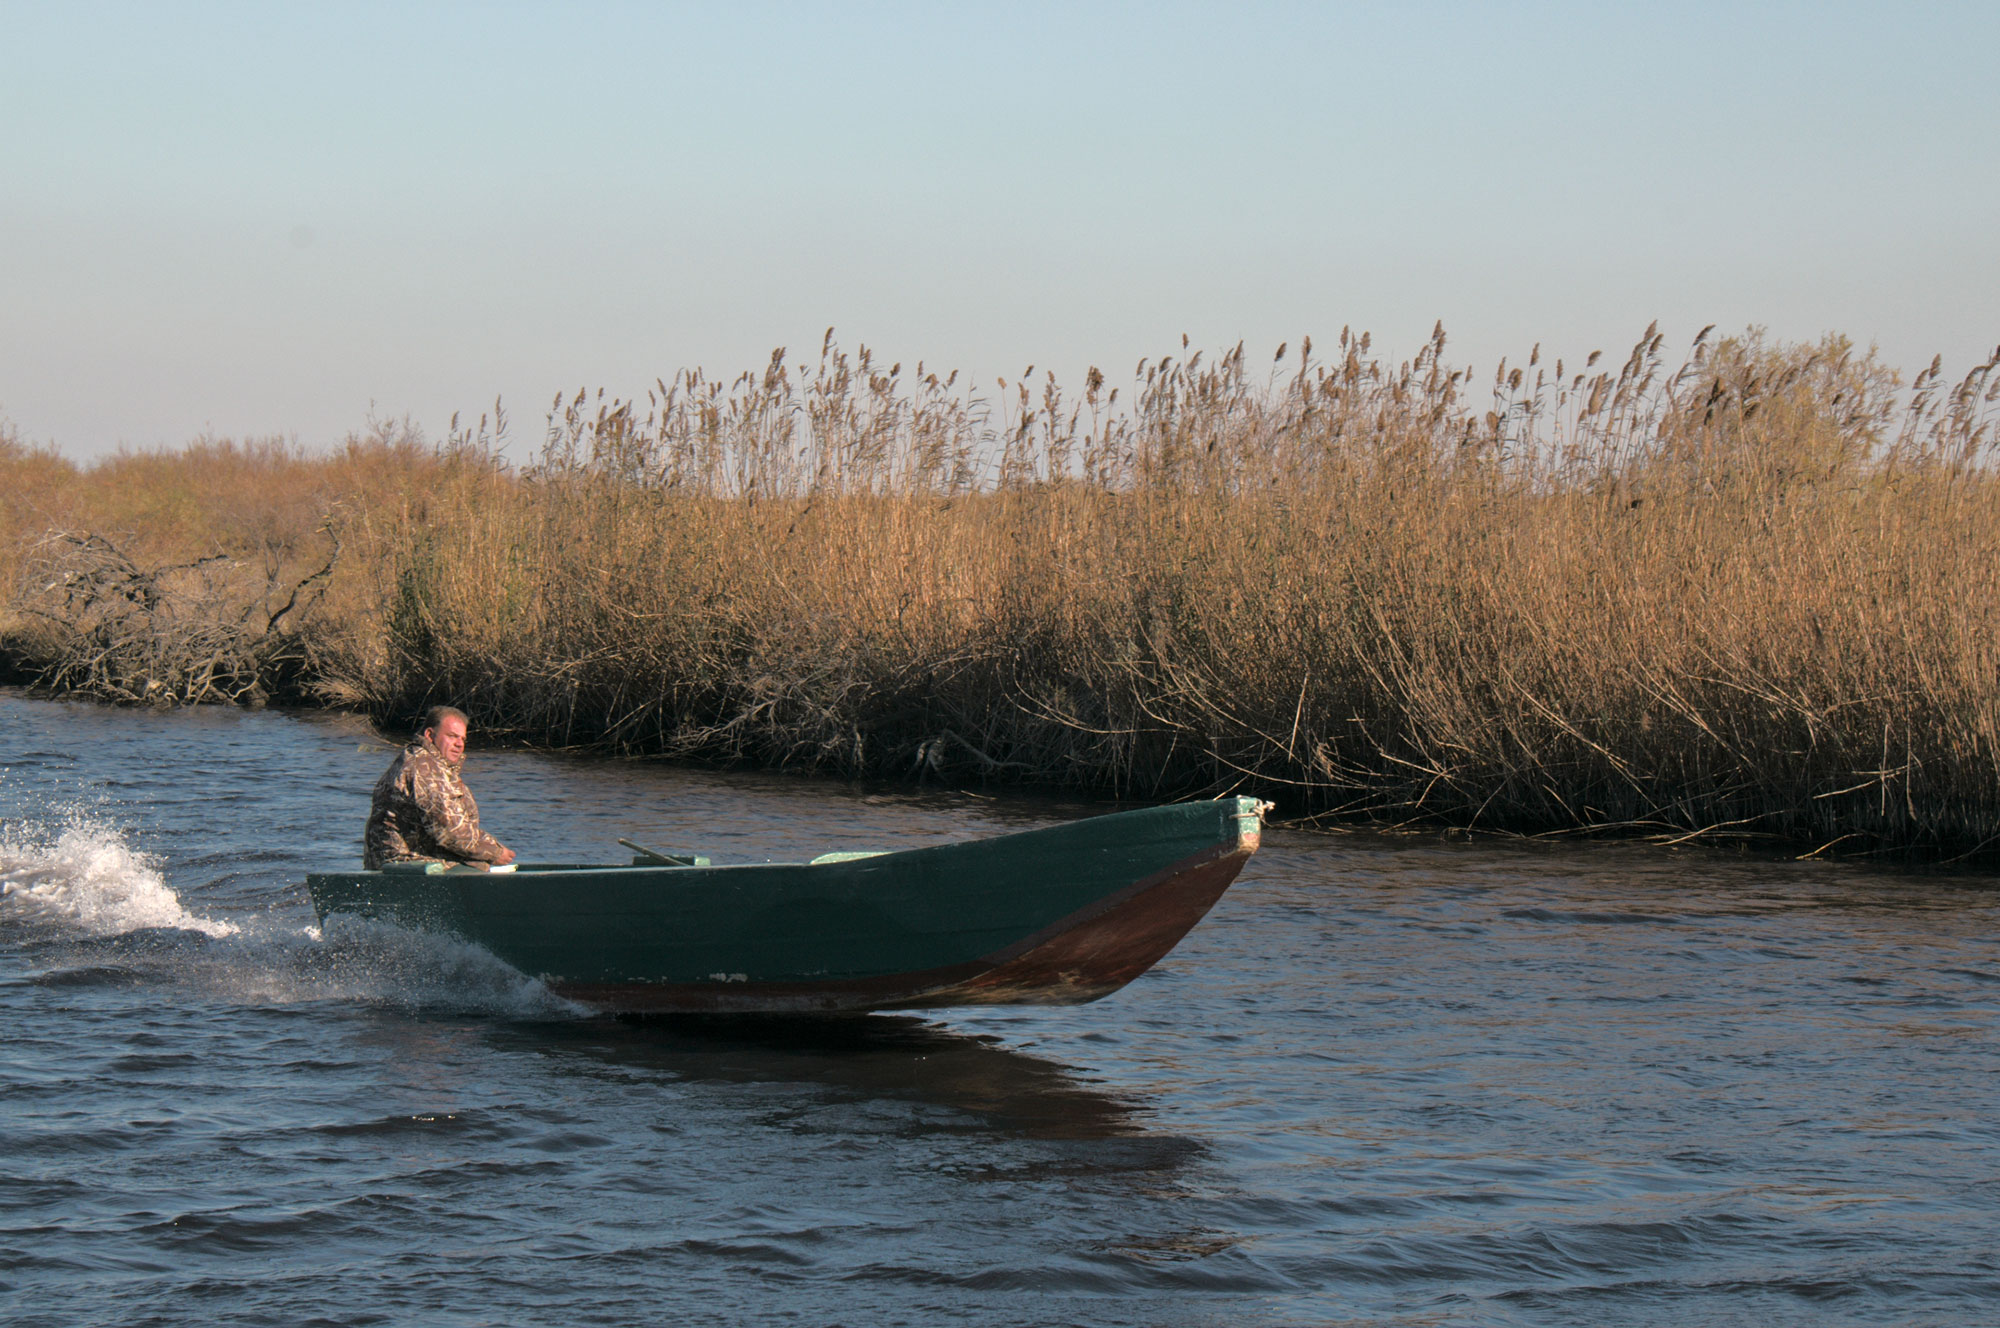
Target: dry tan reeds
(1750,594)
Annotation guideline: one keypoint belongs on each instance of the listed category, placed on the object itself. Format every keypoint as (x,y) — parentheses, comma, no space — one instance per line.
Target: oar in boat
(664,859)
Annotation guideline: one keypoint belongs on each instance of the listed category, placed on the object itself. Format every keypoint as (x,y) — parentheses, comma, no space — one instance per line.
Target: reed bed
(1748,592)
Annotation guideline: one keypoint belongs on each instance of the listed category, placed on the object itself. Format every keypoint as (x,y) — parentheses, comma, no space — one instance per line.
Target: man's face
(449,738)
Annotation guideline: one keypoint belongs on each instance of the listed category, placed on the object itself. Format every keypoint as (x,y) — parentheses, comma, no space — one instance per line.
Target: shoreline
(1092,801)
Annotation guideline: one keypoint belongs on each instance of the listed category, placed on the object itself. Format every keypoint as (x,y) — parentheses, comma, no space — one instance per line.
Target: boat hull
(1055,916)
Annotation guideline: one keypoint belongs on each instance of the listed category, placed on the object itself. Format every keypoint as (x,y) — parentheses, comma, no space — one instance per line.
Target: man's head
(444,729)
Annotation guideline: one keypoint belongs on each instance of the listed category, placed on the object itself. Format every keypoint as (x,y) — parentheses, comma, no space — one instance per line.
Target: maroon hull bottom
(1091,953)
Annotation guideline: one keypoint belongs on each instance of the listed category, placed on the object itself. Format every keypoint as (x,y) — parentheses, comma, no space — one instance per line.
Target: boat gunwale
(876,858)
(463,872)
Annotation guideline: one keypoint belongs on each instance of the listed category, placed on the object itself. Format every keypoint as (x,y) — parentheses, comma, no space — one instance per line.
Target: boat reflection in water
(873,1058)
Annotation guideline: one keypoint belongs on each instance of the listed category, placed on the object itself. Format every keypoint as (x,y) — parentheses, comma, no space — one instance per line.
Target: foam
(89,880)
(82,890)
(376,963)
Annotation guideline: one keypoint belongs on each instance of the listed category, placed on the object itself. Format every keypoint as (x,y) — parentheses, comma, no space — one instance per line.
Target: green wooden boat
(1054,916)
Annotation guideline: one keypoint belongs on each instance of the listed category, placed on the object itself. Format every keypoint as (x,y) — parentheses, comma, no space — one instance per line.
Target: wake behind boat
(1055,916)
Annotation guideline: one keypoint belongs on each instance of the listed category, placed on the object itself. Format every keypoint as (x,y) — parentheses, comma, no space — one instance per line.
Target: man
(422,811)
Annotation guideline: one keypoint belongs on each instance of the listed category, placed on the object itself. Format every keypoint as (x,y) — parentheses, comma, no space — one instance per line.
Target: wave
(377,963)
(94,913)
(90,881)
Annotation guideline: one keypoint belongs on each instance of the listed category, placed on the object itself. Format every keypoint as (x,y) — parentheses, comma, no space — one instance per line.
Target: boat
(1053,916)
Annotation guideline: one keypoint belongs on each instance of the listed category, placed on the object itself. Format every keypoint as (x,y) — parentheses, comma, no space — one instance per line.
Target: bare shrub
(209,630)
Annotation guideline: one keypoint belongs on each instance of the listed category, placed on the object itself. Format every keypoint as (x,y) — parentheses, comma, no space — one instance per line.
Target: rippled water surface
(1387,1081)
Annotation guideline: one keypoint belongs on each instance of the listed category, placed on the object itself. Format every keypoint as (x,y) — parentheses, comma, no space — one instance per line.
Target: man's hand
(506,856)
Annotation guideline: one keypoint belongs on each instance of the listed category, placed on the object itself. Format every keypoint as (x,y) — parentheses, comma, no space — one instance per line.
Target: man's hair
(437,715)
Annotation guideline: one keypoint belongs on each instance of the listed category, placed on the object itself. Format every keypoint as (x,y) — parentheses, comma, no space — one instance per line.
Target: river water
(1387,1081)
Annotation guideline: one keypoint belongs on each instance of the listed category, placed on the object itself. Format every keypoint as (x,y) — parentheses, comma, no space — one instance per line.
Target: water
(1386,1082)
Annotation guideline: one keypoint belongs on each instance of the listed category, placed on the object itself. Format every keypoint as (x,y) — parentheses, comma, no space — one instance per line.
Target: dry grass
(1749,594)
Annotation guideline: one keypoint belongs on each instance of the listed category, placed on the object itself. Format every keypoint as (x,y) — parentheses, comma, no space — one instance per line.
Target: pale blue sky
(258,219)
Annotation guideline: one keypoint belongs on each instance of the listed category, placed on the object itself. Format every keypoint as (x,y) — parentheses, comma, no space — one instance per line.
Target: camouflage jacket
(424,812)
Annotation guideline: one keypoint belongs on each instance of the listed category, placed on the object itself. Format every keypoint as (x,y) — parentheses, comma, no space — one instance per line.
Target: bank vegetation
(1751,591)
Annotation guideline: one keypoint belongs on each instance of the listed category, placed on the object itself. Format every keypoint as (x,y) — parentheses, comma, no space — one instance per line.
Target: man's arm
(455,832)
